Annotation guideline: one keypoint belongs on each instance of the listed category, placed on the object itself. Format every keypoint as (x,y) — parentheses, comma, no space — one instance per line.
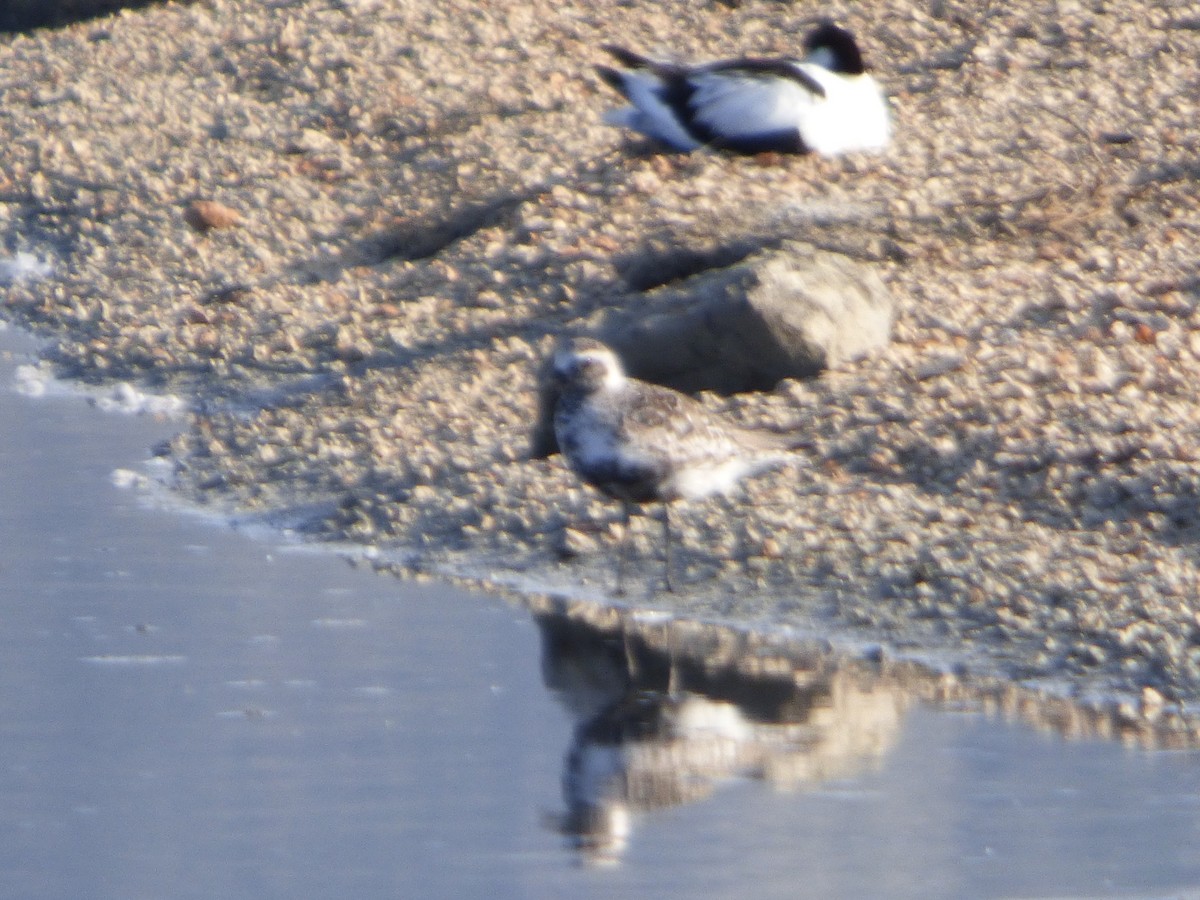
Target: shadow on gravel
(425,236)
(656,263)
(25,15)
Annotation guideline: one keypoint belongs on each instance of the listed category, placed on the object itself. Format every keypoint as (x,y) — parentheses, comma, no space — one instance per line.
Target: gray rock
(790,312)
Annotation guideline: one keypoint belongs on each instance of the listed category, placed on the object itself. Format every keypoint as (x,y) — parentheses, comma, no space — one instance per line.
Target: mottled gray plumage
(640,442)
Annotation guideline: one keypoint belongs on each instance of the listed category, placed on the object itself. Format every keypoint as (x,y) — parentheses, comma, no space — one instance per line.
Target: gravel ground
(351,230)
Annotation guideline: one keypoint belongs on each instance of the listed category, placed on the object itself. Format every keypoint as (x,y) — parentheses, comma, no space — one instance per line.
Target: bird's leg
(673,676)
(622,549)
(668,583)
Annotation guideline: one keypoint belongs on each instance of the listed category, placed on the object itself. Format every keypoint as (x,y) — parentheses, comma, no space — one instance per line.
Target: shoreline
(751,649)
(396,241)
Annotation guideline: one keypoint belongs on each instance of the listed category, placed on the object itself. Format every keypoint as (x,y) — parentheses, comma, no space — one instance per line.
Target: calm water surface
(186,711)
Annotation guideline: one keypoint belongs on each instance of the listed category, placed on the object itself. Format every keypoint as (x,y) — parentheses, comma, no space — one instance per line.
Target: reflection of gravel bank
(425,195)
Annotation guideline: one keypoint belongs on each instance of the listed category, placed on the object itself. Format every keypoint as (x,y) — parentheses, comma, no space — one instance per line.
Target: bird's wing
(766,68)
(664,419)
(735,101)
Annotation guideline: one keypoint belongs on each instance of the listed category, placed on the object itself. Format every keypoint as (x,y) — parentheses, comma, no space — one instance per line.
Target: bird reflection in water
(661,727)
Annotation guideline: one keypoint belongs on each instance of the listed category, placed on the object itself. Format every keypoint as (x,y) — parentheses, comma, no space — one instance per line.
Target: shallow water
(186,711)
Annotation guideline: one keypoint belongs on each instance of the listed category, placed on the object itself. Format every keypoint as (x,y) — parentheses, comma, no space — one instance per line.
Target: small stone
(205,215)
(1151,703)
(232,293)
(577,543)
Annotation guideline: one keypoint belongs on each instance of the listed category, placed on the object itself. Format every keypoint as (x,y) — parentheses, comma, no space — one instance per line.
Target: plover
(825,102)
(640,443)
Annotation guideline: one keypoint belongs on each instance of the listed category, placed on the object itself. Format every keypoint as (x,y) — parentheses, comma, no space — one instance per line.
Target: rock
(791,312)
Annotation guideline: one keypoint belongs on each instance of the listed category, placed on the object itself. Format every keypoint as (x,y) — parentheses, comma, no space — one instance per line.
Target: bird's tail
(614,78)
(628,58)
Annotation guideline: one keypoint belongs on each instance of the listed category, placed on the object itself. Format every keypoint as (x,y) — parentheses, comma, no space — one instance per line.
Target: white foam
(127,478)
(23,266)
(32,380)
(124,397)
(37,380)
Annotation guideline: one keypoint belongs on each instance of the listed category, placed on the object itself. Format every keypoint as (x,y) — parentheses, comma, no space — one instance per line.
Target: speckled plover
(640,442)
(825,102)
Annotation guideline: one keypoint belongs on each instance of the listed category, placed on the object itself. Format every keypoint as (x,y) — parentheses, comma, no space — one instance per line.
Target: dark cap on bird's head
(835,48)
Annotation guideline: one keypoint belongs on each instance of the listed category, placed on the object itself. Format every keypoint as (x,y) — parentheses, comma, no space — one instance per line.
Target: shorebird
(641,443)
(825,102)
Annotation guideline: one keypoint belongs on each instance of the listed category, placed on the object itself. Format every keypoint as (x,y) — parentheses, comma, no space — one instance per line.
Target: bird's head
(586,365)
(580,365)
(835,49)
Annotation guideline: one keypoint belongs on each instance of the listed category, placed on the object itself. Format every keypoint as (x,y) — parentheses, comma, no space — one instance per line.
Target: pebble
(204,215)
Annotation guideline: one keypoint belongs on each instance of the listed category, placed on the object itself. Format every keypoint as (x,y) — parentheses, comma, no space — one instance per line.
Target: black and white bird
(825,103)
(640,443)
